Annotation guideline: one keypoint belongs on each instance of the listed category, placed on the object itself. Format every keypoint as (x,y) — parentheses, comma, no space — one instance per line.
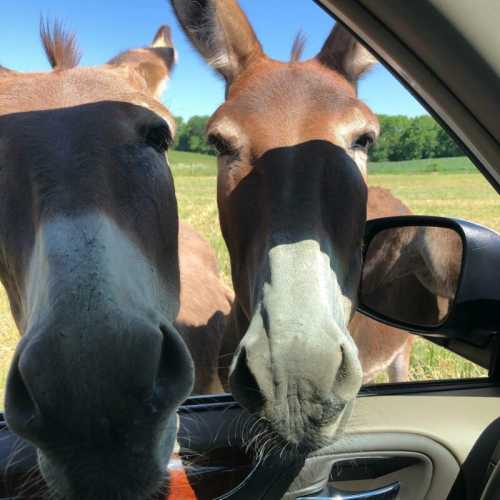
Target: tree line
(401,138)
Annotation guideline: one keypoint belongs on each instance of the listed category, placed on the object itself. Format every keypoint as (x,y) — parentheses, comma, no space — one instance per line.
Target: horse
(292,140)
(89,258)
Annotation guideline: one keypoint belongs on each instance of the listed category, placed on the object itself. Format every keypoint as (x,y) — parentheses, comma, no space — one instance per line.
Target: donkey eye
(363,142)
(159,137)
(221,145)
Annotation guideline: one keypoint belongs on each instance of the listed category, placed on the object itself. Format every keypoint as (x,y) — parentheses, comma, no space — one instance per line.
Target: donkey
(412,273)
(382,347)
(204,310)
(292,141)
(89,259)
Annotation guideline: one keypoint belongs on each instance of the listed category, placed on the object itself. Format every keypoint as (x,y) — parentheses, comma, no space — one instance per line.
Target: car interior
(433,440)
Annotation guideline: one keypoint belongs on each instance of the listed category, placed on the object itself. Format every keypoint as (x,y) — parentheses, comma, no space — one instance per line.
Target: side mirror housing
(435,276)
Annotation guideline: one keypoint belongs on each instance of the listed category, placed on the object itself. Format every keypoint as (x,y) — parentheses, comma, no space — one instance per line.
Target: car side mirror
(432,275)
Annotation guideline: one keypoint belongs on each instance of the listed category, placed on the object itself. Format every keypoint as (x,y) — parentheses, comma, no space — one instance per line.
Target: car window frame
(225,401)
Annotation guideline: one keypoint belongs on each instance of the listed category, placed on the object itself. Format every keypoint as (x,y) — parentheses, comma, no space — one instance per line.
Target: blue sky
(107,27)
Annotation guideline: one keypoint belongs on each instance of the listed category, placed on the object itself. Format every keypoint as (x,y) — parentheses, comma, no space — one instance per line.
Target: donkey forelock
(59,45)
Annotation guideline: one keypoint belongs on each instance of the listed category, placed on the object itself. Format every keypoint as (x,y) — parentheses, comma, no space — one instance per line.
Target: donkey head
(292,141)
(88,256)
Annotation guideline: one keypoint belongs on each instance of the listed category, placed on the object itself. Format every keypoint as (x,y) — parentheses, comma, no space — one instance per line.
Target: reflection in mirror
(411,274)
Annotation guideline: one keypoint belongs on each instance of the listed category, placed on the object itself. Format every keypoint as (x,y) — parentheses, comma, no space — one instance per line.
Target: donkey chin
(300,377)
(112,473)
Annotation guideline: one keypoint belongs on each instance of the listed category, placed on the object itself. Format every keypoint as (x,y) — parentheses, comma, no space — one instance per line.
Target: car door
(432,439)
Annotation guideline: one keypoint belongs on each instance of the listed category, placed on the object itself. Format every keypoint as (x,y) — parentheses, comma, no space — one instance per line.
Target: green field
(197,165)
(192,164)
(440,165)
(449,186)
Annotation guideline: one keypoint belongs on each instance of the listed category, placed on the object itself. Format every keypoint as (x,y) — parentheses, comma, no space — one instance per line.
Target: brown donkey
(382,347)
(292,141)
(89,259)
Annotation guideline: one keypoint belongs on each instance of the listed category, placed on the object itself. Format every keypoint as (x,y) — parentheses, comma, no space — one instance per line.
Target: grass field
(449,187)
(440,165)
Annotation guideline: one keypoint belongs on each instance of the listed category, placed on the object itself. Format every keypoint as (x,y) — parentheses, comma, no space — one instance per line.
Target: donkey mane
(60,46)
(298,46)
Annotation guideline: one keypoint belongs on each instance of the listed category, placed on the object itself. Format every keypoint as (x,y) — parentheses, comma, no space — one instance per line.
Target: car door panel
(426,437)
(437,430)
(364,471)
(420,440)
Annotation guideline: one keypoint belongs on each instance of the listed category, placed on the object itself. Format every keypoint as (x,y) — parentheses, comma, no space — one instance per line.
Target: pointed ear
(343,53)
(221,32)
(154,63)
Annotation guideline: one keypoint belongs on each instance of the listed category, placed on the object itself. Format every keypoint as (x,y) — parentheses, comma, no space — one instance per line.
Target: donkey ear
(343,53)
(153,63)
(220,31)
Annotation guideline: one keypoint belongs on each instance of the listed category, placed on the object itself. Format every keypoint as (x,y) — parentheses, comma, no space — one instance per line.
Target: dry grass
(465,195)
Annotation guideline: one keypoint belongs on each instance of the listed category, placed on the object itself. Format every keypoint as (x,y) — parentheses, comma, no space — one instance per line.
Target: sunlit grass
(454,190)
(431,362)
(466,196)
(441,165)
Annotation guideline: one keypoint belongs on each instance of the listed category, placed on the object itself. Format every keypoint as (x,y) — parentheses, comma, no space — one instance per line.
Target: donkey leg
(398,370)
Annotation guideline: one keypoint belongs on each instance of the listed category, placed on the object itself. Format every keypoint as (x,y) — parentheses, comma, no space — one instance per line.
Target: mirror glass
(411,274)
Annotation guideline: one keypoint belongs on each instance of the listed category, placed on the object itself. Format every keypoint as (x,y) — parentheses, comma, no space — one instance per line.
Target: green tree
(180,125)
(391,130)
(195,143)
(191,135)
(418,141)
(446,146)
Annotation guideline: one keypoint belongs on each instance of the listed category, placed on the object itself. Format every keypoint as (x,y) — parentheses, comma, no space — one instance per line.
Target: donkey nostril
(349,374)
(341,372)
(244,386)
(175,377)
(20,408)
